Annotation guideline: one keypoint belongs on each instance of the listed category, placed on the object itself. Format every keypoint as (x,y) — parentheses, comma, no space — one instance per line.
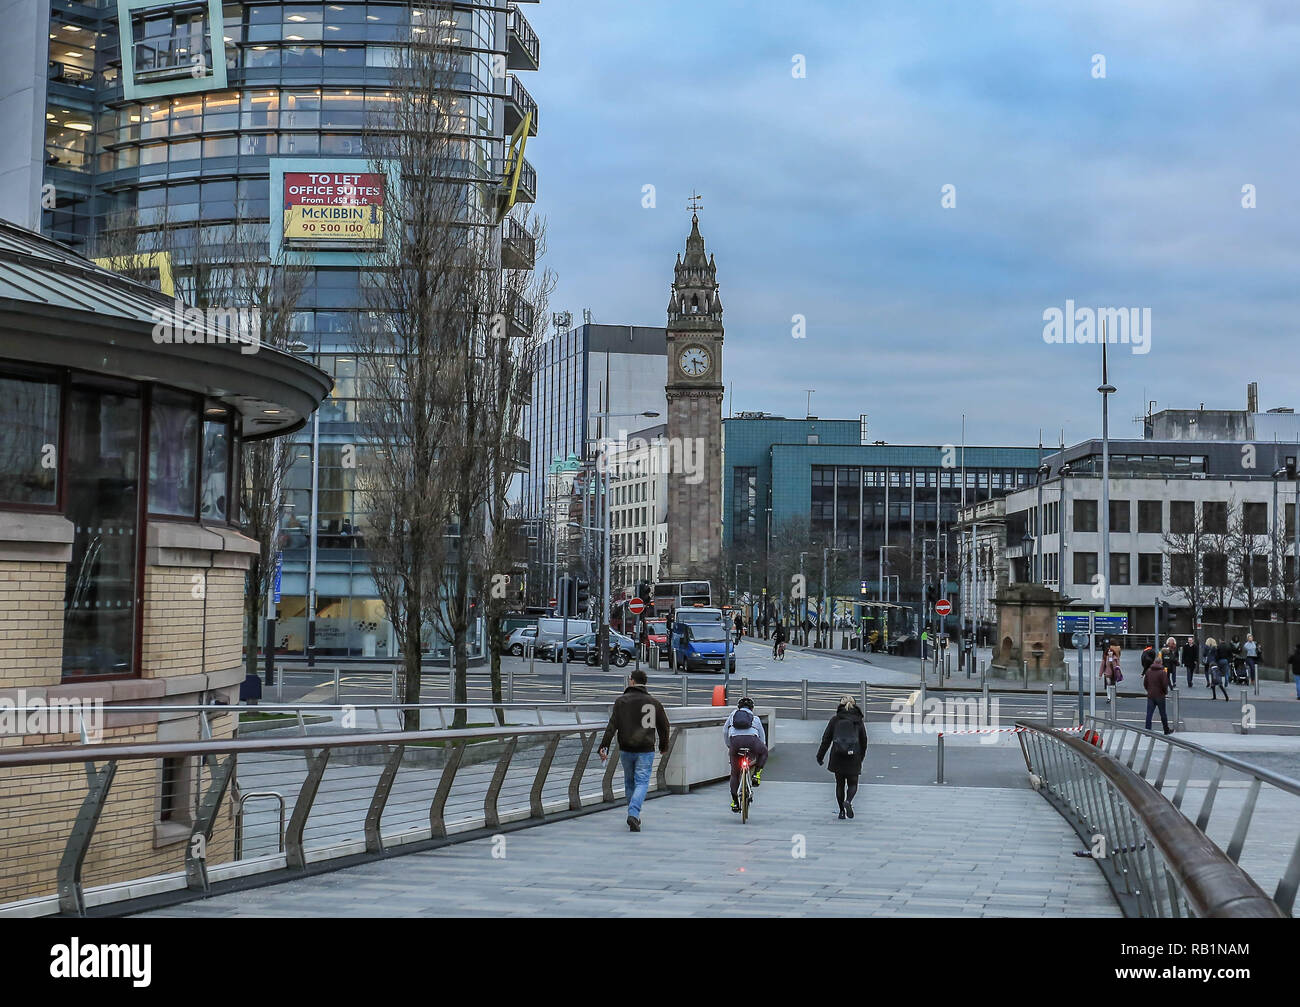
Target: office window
(1254,518)
(1181,569)
(1254,571)
(1214,569)
(1119,516)
(1085,567)
(29,438)
(1119,568)
(1150,568)
(1085,519)
(1214,514)
(1182,517)
(1150,516)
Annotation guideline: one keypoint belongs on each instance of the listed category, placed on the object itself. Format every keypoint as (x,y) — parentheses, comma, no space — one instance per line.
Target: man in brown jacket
(1155,678)
(637,717)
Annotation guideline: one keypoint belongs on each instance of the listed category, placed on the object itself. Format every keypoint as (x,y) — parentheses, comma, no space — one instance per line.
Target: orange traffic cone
(719,695)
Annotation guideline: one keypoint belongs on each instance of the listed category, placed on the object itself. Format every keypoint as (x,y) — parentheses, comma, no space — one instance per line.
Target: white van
(551,631)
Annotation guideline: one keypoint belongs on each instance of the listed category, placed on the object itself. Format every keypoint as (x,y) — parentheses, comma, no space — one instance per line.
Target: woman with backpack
(846,737)
(1216,667)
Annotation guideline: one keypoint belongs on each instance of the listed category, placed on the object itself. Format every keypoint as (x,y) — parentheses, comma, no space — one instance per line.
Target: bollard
(1245,702)
(922,694)
(686,694)
(279,687)
(1173,708)
(336,686)
(1110,701)
(532,660)
(451,684)
(510,683)
(863,688)
(803,699)
(394,684)
(940,749)
(1051,706)
(566,682)
(744,686)
(985,690)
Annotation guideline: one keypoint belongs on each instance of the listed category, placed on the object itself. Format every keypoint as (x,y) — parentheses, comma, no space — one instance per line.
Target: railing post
(395,685)
(535,806)
(196,868)
(673,737)
(437,822)
(491,819)
(294,855)
(384,786)
(71,899)
(1051,706)
(803,699)
(607,781)
(579,768)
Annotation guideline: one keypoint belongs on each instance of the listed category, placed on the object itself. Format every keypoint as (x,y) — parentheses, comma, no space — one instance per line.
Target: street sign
(1104,622)
(279,569)
(636,606)
(551,603)
(1079,639)
(943,606)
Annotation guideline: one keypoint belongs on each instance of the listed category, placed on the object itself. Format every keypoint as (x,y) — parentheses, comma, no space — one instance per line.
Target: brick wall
(31,623)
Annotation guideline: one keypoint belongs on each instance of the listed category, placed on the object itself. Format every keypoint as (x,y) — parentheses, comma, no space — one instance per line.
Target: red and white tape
(1004,730)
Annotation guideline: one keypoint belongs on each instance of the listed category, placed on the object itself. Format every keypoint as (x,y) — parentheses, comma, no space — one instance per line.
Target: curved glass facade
(157,138)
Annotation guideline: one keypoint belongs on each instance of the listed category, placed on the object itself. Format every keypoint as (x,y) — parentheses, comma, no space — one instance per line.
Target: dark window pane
(29,438)
(173,458)
(216,478)
(101,477)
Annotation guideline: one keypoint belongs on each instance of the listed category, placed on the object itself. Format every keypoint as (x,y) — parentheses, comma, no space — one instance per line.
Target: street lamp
(1107,390)
(605,598)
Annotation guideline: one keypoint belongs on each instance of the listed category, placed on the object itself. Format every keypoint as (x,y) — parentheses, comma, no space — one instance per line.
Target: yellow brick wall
(225,635)
(31,624)
(38,806)
(172,640)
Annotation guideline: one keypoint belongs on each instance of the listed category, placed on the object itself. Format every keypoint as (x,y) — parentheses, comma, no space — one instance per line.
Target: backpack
(742,720)
(845,740)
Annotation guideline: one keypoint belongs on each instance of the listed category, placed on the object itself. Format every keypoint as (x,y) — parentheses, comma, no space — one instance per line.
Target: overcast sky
(822,197)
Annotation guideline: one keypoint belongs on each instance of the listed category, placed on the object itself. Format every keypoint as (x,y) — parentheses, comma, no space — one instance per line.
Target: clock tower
(694,392)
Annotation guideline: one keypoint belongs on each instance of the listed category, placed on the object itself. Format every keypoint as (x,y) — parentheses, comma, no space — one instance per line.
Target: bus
(681,594)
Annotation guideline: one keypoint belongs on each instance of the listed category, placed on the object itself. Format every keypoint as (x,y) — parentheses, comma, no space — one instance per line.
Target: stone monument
(1027,636)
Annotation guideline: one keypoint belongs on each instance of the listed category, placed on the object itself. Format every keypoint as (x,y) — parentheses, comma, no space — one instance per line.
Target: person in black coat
(846,738)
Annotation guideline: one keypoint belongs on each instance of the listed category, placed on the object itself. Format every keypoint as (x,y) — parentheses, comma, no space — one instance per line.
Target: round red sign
(636,606)
(943,606)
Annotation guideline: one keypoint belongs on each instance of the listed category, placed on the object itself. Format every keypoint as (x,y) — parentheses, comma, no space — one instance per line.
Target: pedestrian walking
(846,738)
(1209,659)
(1188,657)
(637,717)
(1110,669)
(1217,667)
(740,627)
(1294,662)
(1170,654)
(1155,679)
(1251,651)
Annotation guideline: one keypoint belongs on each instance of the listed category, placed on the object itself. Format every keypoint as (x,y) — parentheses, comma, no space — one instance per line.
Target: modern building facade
(872,501)
(196,117)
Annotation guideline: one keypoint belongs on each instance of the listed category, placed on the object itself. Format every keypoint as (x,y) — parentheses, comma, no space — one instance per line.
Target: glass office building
(189,116)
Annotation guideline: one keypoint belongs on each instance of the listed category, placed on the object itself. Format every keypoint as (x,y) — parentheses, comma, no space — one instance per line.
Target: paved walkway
(911,851)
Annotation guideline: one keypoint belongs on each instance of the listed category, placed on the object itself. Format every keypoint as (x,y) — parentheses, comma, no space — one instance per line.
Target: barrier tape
(1005,730)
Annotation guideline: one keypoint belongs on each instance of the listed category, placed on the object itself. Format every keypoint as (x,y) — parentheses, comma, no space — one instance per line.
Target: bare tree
(1186,552)
(1248,555)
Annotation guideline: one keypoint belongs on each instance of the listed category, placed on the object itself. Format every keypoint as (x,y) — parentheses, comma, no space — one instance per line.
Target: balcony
(527,191)
(518,247)
(521,314)
(170,59)
(524,50)
(521,455)
(518,104)
(523,389)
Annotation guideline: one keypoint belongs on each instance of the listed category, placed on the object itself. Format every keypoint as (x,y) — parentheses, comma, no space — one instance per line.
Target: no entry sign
(636,606)
(943,606)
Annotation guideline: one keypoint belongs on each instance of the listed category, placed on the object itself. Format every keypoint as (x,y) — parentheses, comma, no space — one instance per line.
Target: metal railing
(92,824)
(1158,863)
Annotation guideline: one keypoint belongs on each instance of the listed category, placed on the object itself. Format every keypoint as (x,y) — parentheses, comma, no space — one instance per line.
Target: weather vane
(694,204)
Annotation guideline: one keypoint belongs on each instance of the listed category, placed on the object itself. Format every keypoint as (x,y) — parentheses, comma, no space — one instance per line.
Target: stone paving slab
(911,851)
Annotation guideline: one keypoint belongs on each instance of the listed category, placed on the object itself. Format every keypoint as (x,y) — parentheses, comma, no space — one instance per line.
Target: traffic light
(582,596)
(564,597)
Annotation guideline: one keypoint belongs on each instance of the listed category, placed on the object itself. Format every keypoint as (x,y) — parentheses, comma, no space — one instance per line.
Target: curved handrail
(1212,885)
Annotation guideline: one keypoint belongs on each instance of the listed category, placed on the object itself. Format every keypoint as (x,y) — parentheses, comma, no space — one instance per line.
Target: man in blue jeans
(638,718)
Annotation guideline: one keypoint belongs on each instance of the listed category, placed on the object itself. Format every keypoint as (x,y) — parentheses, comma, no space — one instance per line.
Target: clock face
(694,361)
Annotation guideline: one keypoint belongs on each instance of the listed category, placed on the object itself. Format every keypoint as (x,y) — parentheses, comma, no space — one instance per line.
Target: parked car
(551,630)
(521,639)
(587,648)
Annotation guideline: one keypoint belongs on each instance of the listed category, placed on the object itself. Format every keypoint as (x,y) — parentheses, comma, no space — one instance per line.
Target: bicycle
(745,789)
(779,655)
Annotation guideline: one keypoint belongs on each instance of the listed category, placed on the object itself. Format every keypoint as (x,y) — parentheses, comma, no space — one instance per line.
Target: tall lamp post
(1107,390)
(604,595)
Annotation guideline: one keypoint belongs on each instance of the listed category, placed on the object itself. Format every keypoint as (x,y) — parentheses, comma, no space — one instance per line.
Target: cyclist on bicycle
(743,730)
(778,639)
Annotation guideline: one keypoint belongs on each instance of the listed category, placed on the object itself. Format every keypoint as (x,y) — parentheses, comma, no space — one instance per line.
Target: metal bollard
(940,769)
(279,687)
(1173,708)
(532,660)
(985,690)
(803,699)
(686,690)
(1245,702)
(566,682)
(1110,701)
(922,694)
(862,686)
(451,684)
(395,685)
(336,686)
(510,682)
(1051,706)
(744,686)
